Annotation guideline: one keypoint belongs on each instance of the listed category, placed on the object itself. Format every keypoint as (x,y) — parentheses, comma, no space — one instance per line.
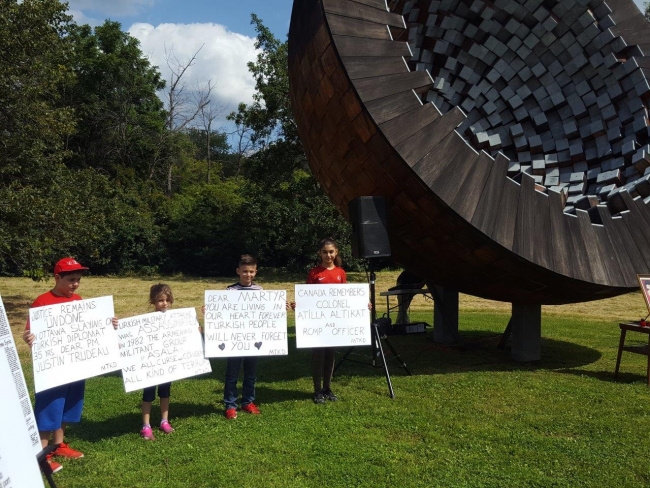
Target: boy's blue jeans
(230,392)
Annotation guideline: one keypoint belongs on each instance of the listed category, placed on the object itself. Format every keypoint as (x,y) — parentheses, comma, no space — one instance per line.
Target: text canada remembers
(160,347)
(332,315)
(8,345)
(74,341)
(245,323)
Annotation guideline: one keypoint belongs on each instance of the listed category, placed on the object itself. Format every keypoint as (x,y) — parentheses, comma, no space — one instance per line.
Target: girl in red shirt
(328,272)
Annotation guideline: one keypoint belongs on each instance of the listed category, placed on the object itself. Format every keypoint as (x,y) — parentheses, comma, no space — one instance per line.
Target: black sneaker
(329,395)
(318,397)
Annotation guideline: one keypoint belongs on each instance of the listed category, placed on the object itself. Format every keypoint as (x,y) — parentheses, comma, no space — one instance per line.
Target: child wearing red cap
(63,404)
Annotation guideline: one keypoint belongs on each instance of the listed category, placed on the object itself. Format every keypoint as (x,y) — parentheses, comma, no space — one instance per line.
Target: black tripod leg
(397,356)
(383,359)
(46,469)
(345,356)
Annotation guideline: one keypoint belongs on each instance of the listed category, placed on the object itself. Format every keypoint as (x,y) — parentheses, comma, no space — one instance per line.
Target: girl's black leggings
(322,367)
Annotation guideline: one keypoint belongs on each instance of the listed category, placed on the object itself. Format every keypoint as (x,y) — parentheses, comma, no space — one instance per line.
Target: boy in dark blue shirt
(246,270)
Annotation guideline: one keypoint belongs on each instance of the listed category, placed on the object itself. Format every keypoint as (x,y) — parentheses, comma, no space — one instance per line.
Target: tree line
(93,164)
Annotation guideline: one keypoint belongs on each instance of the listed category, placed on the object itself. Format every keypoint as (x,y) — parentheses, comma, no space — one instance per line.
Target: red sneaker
(251,408)
(54,466)
(231,413)
(64,450)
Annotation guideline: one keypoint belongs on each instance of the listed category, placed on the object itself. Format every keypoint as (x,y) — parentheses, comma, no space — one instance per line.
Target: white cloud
(111,8)
(81,18)
(222,59)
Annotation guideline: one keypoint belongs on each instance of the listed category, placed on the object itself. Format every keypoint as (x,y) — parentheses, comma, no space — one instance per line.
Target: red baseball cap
(68,264)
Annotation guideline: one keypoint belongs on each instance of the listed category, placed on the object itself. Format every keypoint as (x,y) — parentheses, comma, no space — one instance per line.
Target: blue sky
(218,30)
(175,30)
(233,15)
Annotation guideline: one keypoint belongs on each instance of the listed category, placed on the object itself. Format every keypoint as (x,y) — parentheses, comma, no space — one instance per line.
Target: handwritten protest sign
(74,341)
(245,323)
(332,315)
(11,354)
(18,466)
(160,347)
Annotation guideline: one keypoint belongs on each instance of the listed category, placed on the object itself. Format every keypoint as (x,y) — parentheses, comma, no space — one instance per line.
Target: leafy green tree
(269,116)
(287,210)
(34,72)
(205,228)
(212,149)
(646,10)
(69,117)
(121,120)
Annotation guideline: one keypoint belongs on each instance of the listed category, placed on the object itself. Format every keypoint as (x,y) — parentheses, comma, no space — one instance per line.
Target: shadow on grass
(623,378)
(129,423)
(479,352)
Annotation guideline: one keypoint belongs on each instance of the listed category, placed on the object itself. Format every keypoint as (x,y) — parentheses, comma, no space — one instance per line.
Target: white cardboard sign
(332,315)
(160,347)
(18,466)
(20,387)
(74,341)
(245,323)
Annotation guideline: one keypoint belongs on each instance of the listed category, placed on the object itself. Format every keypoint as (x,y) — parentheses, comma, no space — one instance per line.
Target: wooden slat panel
(485,214)
(598,266)
(562,260)
(471,189)
(383,86)
(430,167)
(364,12)
(423,141)
(609,256)
(387,108)
(576,250)
(380,4)
(622,10)
(629,258)
(503,231)
(633,30)
(400,128)
(451,178)
(345,26)
(533,225)
(636,250)
(369,67)
(432,163)
(640,212)
(355,46)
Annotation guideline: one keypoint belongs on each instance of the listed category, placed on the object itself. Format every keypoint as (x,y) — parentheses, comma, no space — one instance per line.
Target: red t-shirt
(50,298)
(323,276)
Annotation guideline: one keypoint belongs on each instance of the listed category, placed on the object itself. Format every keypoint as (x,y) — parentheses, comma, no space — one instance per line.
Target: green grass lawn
(467,417)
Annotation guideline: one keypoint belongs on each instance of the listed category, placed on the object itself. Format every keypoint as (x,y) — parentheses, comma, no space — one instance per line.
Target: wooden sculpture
(510,138)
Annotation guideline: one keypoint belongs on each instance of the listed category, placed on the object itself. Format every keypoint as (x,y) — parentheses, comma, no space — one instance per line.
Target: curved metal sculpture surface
(508,137)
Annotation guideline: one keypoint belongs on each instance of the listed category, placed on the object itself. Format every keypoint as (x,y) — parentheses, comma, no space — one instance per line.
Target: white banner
(245,323)
(160,347)
(74,341)
(332,315)
(20,387)
(18,466)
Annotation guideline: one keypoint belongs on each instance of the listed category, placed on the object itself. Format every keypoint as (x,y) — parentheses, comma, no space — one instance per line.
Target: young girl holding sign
(161,297)
(328,272)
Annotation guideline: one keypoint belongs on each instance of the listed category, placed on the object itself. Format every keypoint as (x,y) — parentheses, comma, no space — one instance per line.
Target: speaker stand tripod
(375,339)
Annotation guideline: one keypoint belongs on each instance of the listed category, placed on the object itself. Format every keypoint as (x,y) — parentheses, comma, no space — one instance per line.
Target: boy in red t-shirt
(63,404)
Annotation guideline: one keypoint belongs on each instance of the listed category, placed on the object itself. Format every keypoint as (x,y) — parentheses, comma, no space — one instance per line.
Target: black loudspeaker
(369,227)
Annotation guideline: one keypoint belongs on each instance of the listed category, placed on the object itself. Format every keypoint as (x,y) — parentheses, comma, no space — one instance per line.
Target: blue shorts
(61,404)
